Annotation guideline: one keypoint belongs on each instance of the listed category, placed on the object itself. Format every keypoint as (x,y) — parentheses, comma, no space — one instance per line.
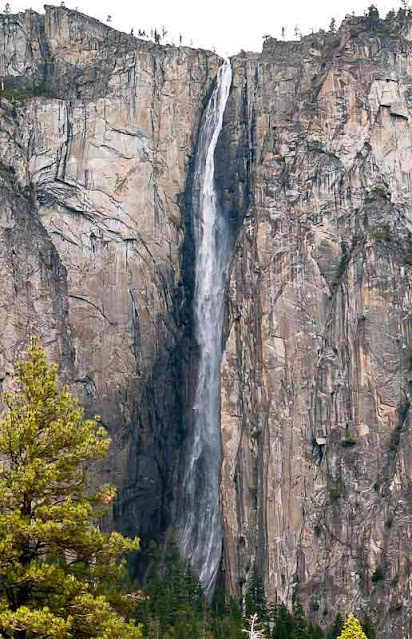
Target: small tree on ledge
(60,575)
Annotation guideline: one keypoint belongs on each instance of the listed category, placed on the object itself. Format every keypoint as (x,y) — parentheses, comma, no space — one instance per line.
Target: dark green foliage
(283,623)
(7,172)
(317,529)
(404,409)
(301,629)
(315,145)
(40,90)
(396,607)
(174,603)
(372,12)
(30,192)
(355,31)
(403,412)
(384,235)
(394,23)
(342,266)
(315,632)
(287,625)
(227,622)
(403,246)
(14,94)
(371,21)
(348,442)
(378,575)
(347,253)
(11,94)
(173,606)
(368,629)
(337,627)
(335,493)
(378,191)
(255,600)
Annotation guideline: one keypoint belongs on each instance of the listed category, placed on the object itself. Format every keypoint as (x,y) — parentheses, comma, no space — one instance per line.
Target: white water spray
(200,525)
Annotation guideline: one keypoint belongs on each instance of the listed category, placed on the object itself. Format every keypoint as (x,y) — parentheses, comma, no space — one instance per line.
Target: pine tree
(372,12)
(283,623)
(352,629)
(301,630)
(315,632)
(255,600)
(390,16)
(174,604)
(228,619)
(368,629)
(337,627)
(60,576)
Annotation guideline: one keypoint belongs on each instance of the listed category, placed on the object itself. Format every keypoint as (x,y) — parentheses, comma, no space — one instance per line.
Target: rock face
(317,469)
(105,164)
(313,168)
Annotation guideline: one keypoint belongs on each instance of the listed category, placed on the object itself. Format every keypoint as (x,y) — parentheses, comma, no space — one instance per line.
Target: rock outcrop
(313,168)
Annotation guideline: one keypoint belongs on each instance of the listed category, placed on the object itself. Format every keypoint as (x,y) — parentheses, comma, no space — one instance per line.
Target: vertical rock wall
(316,475)
(105,162)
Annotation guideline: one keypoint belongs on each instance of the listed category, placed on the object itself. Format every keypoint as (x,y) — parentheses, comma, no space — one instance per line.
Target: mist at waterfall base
(199,524)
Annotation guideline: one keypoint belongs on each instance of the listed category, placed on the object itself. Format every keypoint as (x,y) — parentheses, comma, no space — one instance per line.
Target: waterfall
(200,525)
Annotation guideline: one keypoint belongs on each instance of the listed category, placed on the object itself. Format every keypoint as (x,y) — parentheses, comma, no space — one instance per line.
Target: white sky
(227,25)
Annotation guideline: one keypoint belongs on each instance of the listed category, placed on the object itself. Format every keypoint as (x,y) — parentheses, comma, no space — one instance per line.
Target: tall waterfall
(200,525)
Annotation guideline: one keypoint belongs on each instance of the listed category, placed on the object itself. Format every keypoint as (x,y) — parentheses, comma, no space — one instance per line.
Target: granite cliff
(98,131)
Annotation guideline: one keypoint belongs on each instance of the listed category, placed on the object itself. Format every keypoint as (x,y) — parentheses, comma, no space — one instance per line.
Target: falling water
(200,526)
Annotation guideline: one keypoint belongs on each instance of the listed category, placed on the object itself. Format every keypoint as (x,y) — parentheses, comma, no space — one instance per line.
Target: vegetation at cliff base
(174,606)
(60,576)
